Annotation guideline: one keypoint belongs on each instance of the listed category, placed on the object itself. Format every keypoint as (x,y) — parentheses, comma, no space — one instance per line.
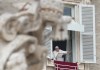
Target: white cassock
(58,55)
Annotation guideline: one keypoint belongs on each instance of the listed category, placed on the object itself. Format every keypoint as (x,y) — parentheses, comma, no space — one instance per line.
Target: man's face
(57,49)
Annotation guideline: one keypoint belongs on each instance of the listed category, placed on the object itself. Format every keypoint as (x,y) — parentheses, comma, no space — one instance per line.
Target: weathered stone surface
(21,33)
(97,65)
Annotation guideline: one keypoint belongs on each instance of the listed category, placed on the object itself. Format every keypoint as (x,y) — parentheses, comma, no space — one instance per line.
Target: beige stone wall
(72,0)
(97,65)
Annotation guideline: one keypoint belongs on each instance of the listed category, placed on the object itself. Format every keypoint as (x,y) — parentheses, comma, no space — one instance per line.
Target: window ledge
(70,3)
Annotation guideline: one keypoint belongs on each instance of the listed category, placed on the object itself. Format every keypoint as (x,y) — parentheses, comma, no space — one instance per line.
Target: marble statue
(21,45)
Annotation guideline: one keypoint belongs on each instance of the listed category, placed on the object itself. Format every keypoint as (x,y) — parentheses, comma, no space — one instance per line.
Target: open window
(68,45)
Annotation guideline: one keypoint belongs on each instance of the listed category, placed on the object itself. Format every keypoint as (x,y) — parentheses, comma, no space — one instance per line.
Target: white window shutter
(87,38)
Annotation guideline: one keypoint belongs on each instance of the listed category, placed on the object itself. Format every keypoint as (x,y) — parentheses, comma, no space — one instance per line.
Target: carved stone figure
(21,34)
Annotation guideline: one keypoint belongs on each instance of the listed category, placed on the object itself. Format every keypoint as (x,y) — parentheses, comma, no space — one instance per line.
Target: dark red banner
(59,65)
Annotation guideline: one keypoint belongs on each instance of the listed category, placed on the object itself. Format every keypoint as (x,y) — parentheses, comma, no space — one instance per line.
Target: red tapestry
(59,65)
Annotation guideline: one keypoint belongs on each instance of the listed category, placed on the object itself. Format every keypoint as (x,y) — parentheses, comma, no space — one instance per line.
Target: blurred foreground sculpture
(21,34)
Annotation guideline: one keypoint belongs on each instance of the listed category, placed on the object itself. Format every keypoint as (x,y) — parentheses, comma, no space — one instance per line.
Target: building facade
(84,45)
(96,66)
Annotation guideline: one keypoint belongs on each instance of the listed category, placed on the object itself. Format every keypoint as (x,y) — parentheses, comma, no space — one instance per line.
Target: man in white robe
(58,53)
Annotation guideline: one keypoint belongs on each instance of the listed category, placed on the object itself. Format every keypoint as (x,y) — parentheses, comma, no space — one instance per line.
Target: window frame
(74,34)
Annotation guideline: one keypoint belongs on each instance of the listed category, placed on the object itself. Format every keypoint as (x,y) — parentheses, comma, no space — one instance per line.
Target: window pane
(67,11)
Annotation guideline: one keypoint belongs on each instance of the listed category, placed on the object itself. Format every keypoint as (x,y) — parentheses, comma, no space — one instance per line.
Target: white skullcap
(56,47)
